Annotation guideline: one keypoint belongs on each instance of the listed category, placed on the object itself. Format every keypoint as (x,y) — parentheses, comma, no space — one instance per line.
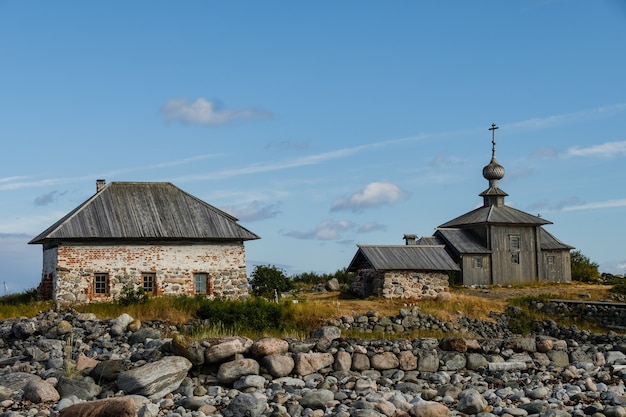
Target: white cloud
(375,194)
(205,112)
(605,150)
(254,211)
(326,230)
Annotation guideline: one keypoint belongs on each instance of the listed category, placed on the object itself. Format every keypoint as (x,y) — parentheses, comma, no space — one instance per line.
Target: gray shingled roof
(495,215)
(549,242)
(403,257)
(463,241)
(145,210)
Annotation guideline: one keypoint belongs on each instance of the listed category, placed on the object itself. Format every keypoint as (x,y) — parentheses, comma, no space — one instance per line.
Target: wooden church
(494,244)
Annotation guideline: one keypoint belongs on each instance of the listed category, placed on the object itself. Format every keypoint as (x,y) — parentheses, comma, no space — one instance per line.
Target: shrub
(131,296)
(583,269)
(255,314)
(619,286)
(25,297)
(267,280)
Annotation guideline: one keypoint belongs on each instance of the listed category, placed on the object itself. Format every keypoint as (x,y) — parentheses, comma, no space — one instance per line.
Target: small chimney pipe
(410,239)
(100,185)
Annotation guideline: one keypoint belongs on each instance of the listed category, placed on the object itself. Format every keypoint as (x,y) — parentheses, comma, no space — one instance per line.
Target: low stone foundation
(400,284)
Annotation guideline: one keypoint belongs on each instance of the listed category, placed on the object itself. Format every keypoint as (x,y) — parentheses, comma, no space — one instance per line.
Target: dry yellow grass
(476,303)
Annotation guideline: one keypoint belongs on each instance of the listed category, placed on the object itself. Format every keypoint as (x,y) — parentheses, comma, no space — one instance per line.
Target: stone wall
(174,267)
(400,284)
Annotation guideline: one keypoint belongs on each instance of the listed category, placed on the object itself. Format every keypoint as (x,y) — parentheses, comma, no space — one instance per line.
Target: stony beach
(63,363)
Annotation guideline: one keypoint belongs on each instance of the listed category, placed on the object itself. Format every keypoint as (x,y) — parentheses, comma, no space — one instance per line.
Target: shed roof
(463,241)
(404,257)
(496,215)
(549,242)
(145,210)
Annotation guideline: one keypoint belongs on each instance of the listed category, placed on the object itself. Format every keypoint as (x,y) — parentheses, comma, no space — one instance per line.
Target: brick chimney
(100,185)
(410,239)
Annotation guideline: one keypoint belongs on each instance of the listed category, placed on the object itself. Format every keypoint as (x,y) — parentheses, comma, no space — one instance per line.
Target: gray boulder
(471,402)
(155,380)
(317,399)
(16,381)
(333,284)
(307,363)
(119,325)
(229,372)
(191,350)
(84,390)
(278,365)
(329,332)
(226,348)
(384,361)
(38,391)
(269,346)
(143,335)
(245,405)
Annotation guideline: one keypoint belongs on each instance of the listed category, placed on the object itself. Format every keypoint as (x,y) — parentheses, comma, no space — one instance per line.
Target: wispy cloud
(604,150)
(288,145)
(567,118)
(10,179)
(543,153)
(371,227)
(326,230)
(14,183)
(207,113)
(276,166)
(254,211)
(598,205)
(374,194)
(48,198)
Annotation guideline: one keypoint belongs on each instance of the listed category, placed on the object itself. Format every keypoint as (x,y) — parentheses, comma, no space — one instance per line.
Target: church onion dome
(493,170)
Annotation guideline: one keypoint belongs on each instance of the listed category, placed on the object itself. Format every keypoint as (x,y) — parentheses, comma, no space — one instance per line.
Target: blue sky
(319,125)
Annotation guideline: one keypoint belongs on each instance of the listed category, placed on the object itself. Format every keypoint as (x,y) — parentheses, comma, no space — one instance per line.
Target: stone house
(151,235)
(401,271)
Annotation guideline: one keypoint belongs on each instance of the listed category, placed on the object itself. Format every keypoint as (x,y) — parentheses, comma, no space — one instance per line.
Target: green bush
(254,314)
(25,297)
(619,286)
(132,296)
(313,278)
(309,278)
(266,281)
(583,269)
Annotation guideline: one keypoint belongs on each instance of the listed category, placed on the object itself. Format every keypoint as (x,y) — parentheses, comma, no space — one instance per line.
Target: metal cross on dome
(493,139)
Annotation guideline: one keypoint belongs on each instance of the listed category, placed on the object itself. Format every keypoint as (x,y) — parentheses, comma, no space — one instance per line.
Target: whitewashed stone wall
(400,284)
(174,266)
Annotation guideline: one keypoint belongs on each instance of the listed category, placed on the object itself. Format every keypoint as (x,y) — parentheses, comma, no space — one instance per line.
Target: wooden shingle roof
(402,258)
(144,210)
(495,215)
(463,241)
(549,242)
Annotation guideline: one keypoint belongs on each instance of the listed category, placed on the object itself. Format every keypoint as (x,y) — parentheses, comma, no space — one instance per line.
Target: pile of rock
(71,364)
(414,320)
